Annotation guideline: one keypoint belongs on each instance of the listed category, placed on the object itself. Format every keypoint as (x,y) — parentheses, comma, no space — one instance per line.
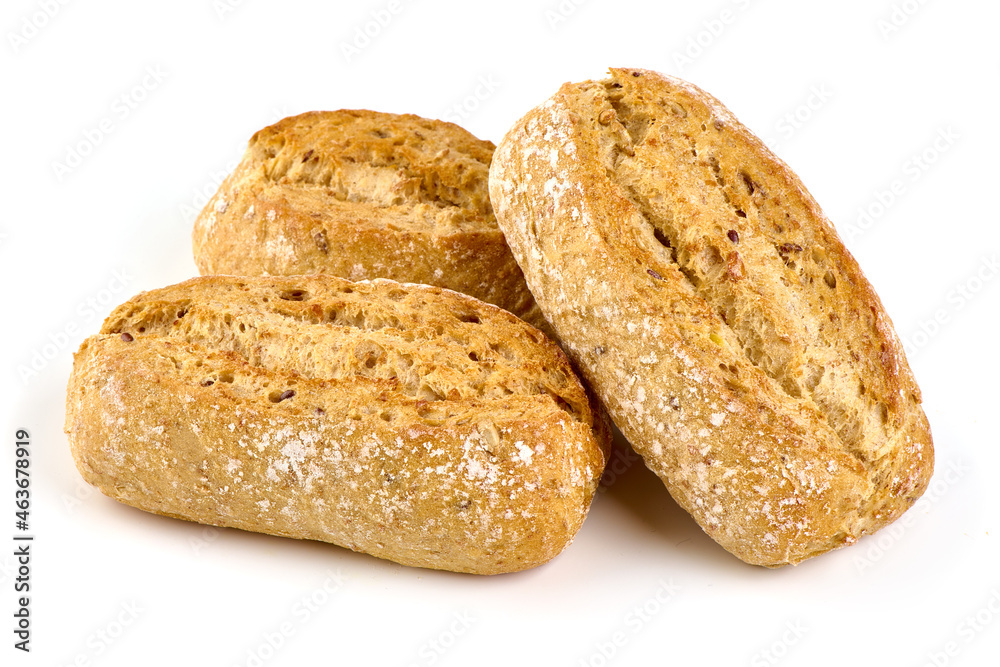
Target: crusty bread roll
(361,194)
(716,312)
(405,421)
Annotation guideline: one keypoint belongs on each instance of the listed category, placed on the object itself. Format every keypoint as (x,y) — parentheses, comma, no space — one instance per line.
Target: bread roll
(361,194)
(404,421)
(714,309)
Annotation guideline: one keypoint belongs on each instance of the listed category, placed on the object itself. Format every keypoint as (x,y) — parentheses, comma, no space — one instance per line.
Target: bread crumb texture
(714,309)
(360,195)
(404,421)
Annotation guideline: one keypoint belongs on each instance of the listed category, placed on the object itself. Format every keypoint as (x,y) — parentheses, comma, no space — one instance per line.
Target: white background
(115,586)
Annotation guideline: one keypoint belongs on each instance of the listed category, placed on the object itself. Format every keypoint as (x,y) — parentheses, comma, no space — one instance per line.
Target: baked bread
(717,314)
(404,421)
(361,194)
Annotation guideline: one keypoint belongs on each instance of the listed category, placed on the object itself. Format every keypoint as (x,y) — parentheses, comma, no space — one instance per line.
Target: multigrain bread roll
(404,421)
(361,194)
(716,312)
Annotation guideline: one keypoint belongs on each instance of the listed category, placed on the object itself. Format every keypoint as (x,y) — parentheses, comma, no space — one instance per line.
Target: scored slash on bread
(362,194)
(712,306)
(409,422)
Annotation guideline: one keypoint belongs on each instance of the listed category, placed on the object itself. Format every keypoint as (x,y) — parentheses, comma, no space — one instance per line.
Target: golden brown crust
(361,194)
(714,309)
(405,421)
